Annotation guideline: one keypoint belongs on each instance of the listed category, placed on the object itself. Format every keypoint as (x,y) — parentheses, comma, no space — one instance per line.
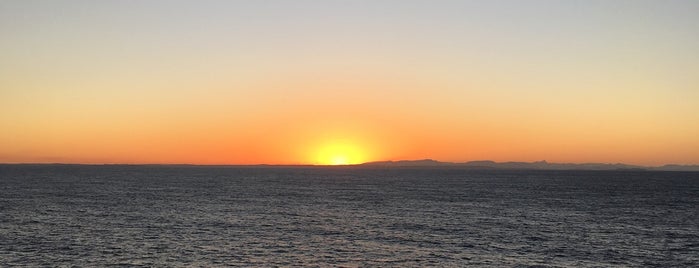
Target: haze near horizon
(346,82)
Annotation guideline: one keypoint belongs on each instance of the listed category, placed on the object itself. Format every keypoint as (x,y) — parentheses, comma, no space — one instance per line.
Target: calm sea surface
(221,216)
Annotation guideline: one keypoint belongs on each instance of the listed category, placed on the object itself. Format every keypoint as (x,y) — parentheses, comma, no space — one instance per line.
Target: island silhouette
(426,163)
(538,165)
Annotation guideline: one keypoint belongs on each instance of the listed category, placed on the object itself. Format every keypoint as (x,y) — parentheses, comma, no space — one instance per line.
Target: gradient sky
(296,82)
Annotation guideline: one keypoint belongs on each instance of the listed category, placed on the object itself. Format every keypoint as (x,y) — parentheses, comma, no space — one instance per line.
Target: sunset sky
(337,82)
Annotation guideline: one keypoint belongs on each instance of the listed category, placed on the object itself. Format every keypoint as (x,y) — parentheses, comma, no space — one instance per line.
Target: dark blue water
(218,216)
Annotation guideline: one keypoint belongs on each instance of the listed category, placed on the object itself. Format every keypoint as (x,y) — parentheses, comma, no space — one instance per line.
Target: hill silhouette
(538,165)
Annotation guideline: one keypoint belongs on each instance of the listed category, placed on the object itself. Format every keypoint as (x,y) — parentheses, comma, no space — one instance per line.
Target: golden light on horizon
(340,153)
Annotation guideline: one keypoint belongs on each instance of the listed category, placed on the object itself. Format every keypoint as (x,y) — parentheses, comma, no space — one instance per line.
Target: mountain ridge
(537,165)
(422,163)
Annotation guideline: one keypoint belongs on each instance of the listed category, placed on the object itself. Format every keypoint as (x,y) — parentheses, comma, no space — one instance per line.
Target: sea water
(66,215)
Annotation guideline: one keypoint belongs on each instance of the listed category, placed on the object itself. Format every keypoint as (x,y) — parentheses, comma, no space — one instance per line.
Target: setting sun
(340,153)
(339,160)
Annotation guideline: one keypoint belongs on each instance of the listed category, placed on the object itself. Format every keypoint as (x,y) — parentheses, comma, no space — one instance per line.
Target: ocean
(211,216)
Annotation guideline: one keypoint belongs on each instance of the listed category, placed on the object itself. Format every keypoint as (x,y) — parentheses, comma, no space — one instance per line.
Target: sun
(340,153)
(339,160)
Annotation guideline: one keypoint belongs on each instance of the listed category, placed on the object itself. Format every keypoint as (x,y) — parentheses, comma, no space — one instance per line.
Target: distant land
(430,163)
(539,165)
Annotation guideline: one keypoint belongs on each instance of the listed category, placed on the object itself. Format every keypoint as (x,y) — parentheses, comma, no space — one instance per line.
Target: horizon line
(340,165)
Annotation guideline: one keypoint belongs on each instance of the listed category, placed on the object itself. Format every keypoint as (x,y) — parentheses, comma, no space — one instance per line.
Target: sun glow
(340,154)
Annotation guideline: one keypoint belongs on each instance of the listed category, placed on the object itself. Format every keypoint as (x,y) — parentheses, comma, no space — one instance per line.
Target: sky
(344,82)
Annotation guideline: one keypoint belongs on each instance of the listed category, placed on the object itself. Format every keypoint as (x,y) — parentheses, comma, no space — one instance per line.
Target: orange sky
(348,82)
